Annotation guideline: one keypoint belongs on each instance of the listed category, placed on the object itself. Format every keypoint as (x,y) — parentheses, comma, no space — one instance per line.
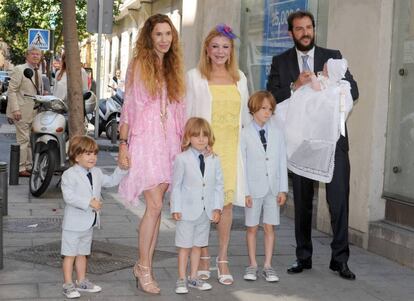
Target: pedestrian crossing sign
(39,38)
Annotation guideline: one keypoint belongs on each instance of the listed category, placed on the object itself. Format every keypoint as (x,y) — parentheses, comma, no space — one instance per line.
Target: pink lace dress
(153,143)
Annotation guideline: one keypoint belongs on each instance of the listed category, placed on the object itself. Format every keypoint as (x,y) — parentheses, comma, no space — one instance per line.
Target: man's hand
(17,115)
(281,198)
(303,79)
(176,216)
(216,216)
(95,203)
(248,201)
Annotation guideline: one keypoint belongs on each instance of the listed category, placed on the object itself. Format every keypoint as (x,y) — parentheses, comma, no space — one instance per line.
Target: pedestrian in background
(196,199)
(81,189)
(60,88)
(151,125)
(20,109)
(217,91)
(264,161)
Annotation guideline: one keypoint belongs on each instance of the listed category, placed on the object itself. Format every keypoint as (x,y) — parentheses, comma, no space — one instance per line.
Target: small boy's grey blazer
(77,194)
(264,169)
(191,192)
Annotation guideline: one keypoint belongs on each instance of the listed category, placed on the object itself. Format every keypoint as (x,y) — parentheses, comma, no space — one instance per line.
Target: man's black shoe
(343,269)
(299,266)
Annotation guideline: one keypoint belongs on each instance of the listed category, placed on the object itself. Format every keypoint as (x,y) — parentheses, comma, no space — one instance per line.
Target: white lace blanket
(313,121)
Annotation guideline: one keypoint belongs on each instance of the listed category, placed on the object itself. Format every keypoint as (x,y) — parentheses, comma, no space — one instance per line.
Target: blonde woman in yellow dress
(217,91)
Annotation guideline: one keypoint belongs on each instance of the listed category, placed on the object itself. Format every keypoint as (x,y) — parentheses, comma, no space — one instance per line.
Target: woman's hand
(123,157)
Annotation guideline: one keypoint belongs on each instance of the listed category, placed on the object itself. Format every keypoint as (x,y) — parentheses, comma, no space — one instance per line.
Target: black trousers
(337,196)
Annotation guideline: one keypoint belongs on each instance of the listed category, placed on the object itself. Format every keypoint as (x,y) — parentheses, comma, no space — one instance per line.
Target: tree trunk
(73,69)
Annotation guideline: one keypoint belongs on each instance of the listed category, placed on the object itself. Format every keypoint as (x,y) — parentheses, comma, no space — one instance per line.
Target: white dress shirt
(311,54)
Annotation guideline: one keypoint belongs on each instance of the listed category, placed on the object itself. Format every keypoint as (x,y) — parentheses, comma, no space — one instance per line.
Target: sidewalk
(35,221)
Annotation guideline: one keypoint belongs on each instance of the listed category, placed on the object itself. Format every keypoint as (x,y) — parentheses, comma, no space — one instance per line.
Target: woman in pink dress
(151,126)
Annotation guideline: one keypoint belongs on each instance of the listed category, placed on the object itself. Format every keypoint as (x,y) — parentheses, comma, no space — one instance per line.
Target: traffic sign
(39,38)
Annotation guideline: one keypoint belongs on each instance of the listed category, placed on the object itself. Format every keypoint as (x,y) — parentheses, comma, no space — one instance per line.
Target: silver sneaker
(250,273)
(70,291)
(270,275)
(199,284)
(181,286)
(86,286)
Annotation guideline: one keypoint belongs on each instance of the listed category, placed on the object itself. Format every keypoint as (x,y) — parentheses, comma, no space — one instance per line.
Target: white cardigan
(198,102)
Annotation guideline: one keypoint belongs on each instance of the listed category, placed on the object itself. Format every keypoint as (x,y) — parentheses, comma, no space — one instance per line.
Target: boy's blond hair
(256,101)
(79,145)
(193,128)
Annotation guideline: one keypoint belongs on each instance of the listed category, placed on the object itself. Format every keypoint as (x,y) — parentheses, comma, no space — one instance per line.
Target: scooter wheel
(42,174)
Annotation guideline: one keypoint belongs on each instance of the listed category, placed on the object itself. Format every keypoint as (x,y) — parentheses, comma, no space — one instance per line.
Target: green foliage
(17,16)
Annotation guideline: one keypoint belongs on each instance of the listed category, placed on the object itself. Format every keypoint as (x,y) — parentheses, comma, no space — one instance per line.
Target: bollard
(14,164)
(1,225)
(1,237)
(4,187)
(114,131)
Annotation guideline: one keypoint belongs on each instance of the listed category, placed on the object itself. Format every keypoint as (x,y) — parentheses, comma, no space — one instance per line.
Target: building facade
(377,39)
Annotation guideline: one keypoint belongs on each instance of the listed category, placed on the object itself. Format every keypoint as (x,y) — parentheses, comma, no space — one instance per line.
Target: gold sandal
(144,279)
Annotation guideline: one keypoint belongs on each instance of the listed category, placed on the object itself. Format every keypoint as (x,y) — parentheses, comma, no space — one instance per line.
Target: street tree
(74,77)
(17,16)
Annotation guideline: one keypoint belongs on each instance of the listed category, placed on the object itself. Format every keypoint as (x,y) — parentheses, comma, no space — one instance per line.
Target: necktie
(202,164)
(305,66)
(90,178)
(263,138)
(36,80)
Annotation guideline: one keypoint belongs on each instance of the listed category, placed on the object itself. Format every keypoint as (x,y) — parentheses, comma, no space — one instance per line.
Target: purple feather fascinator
(226,31)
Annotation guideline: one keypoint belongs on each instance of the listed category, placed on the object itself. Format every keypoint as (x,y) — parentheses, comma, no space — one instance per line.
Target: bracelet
(123,141)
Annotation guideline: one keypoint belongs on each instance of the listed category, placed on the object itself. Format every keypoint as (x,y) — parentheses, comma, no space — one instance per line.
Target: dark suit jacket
(285,70)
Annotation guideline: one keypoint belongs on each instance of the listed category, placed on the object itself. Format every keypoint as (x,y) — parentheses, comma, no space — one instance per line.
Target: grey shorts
(195,233)
(76,242)
(270,207)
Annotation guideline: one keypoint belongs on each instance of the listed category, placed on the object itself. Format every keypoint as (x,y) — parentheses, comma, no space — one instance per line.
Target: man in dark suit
(289,71)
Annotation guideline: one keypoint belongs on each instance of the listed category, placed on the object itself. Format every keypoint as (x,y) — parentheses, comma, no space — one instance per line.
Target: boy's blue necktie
(202,164)
(90,178)
(263,138)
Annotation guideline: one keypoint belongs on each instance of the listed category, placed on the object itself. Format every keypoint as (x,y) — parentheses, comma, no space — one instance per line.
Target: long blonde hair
(146,59)
(204,65)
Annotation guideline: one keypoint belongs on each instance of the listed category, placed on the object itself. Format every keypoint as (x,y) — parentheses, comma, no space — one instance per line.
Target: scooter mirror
(28,73)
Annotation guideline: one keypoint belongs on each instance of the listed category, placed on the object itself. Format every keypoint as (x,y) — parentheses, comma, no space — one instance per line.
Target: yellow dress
(225,120)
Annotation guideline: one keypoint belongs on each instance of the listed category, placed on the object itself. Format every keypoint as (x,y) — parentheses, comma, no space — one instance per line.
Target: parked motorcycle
(49,138)
(109,112)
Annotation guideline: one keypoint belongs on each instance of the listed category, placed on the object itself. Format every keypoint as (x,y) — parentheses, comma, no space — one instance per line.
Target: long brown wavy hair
(204,65)
(146,59)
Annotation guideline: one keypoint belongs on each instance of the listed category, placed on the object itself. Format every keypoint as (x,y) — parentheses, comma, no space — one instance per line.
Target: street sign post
(39,38)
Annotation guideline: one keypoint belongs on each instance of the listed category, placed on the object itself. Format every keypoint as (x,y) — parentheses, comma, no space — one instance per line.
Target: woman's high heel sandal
(225,279)
(204,274)
(144,280)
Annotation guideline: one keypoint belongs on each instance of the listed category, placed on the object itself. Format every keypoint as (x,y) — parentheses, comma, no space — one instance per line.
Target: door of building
(399,161)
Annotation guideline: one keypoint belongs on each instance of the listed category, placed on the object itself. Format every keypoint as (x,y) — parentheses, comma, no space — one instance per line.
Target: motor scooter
(49,139)
(109,112)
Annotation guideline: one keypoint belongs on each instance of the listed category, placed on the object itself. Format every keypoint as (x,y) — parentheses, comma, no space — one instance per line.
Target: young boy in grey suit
(197,198)
(264,160)
(81,189)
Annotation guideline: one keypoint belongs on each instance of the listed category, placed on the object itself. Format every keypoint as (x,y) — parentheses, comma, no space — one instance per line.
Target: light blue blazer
(191,192)
(264,169)
(77,194)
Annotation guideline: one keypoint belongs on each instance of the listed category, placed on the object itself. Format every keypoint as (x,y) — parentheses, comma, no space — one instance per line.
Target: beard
(302,47)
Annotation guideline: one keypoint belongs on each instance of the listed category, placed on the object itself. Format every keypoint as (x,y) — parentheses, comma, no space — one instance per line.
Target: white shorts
(195,233)
(76,243)
(271,211)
